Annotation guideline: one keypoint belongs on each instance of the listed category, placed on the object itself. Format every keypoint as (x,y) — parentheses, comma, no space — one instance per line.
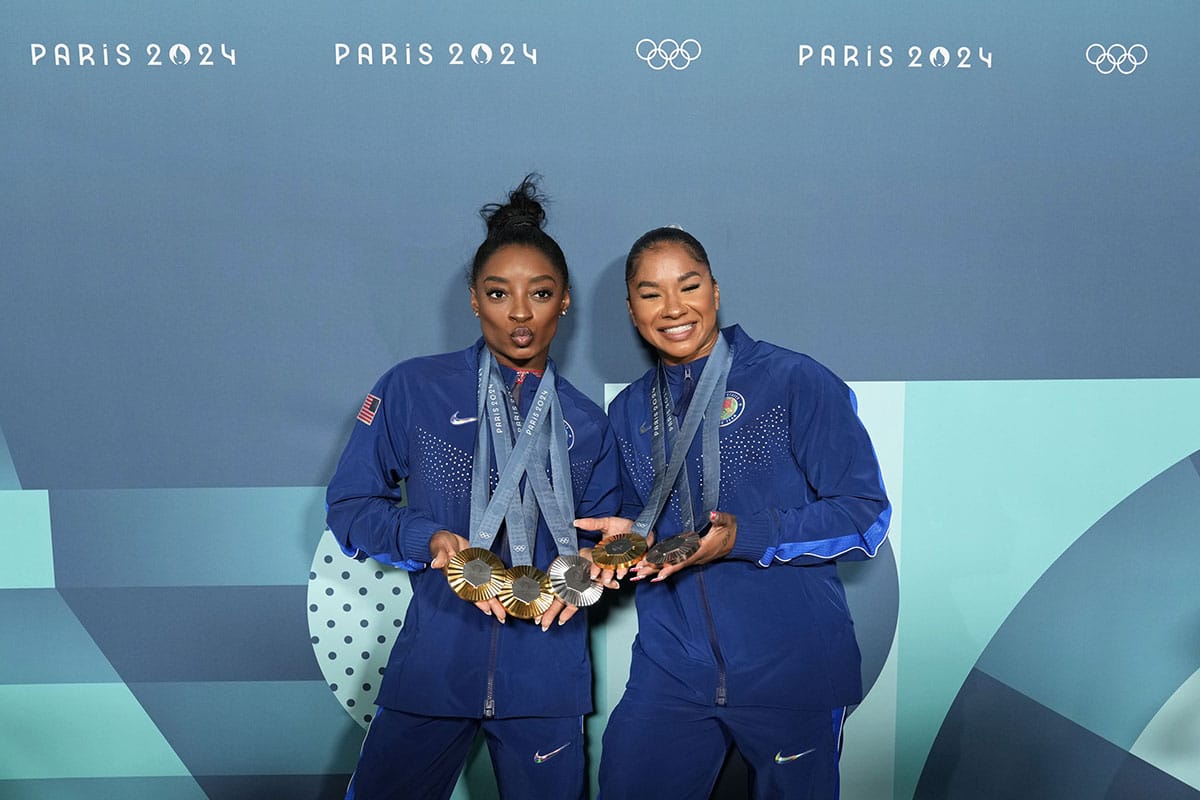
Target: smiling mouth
(678,331)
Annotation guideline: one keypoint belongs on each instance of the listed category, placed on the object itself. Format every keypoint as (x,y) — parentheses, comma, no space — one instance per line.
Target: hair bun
(524,207)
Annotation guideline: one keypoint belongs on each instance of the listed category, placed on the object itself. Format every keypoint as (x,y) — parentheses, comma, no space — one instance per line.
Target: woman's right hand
(607,526)
(443,546)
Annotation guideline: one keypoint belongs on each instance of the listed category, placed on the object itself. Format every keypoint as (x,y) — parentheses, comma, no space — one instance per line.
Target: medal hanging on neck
(707,401)
(524,590)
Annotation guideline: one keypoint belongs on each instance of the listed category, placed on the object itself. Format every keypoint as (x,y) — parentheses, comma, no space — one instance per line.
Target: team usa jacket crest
(418,427)
(768,625)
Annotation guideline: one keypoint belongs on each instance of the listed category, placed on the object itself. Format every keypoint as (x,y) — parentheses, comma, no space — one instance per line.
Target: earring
(562,313)
(476,313)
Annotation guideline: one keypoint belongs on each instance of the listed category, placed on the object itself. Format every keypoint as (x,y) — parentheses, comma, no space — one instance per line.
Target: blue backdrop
(221,222)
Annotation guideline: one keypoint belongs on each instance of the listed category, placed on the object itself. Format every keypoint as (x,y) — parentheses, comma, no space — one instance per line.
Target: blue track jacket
(767,625)
(450,659)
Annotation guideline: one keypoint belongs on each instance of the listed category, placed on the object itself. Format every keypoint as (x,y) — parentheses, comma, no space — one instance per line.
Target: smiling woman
(673,297)
(749,464)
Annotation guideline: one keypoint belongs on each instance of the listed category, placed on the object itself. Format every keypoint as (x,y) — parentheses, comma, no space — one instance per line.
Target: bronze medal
(475,574)
(525,592)
(571,579)
(675,550)
(619,550)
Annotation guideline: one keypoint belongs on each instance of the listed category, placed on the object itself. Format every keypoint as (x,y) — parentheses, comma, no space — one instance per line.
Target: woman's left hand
(564,611)
(717,543)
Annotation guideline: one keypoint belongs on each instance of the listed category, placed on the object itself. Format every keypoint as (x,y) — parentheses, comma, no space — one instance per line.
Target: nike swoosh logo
(455,419)
(780,758)
(538,758)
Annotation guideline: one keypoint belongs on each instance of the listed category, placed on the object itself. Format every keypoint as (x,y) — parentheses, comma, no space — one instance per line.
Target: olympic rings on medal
(1116,57)
(658,55)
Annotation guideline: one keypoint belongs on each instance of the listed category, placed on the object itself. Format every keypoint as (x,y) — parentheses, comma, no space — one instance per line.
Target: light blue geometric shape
(67,730)
(1171,741)
(26,550)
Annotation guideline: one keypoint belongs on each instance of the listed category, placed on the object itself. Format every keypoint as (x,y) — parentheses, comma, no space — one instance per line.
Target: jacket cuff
(414,539)
(757,538)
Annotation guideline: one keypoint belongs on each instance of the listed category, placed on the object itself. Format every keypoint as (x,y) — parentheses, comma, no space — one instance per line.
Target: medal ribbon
(706,405)
(514,462)
(556,502)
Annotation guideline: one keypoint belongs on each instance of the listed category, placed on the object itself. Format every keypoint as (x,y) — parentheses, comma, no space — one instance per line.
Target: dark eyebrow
(687,276)
(535,279)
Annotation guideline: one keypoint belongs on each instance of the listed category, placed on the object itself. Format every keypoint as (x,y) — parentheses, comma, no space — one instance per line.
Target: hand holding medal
(713,541)
(473,573)
(618,550)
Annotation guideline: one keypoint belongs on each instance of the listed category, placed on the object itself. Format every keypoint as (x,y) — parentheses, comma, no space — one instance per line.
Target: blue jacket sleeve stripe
(851,546)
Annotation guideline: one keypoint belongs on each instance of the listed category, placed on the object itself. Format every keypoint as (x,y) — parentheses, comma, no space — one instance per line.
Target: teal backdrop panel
(25,538)
(1002,478)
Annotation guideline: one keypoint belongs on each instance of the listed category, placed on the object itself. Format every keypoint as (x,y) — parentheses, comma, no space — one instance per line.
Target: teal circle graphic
(355,610)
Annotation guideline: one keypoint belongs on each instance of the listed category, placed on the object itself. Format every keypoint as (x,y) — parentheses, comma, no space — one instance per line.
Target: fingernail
(712,516)
(562,622)
(537,620)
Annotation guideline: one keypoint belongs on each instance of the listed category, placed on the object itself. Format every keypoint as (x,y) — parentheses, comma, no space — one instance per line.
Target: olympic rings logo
(679,55)
(1116,57)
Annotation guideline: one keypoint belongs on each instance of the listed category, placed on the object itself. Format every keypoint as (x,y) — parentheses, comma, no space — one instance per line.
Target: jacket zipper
(489,703)
(712,640)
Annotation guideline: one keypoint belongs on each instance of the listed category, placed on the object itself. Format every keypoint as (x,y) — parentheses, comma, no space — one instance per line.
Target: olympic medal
(571,579)
(475,574)
(619,550)
(675,550)
(525,592)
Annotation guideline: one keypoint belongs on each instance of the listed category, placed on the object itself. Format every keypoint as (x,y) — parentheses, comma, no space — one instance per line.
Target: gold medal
(475,574)
(525,592)
(619,550)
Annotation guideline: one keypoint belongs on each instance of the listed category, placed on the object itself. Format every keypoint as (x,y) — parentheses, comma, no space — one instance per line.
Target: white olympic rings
(1116,57)
(679,55)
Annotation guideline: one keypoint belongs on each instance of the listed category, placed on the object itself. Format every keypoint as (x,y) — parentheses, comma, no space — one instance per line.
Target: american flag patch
(369,407)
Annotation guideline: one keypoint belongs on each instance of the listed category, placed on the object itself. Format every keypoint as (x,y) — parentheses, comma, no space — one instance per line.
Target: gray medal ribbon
(556,502)
(706,405)
(514,462)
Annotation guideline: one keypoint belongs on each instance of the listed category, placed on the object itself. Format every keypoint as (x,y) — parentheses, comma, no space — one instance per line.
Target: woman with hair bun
(744,637)
(498,455)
